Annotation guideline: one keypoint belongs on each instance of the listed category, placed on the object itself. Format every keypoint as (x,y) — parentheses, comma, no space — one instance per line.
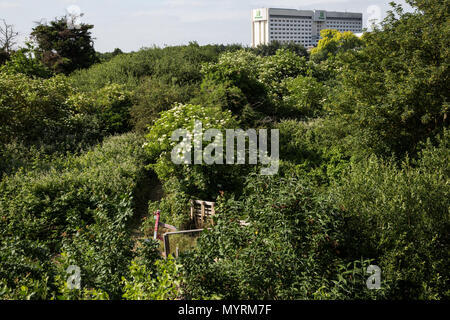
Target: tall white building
(300,26)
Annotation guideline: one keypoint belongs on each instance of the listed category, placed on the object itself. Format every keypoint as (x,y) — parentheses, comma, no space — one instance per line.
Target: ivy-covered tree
(64,48)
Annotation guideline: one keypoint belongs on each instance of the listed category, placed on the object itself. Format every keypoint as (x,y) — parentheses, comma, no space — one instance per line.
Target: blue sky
(132,24)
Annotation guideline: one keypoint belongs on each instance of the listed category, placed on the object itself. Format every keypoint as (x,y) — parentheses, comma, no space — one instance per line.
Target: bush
(399,216)
(163,284)
(32,109)
(304,151)
(272,48)
(276,69)
(82,205)
(153,96)
(41,113)
(178,65)
(23,61)
(394,92)
(204,181)
(238,69)
(289,248)
(305,97)
(251,86)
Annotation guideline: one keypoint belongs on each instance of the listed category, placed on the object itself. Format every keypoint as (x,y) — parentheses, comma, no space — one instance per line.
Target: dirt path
(150,189)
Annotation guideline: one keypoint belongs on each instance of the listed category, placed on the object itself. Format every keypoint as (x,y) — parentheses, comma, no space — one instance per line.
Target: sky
(133,24)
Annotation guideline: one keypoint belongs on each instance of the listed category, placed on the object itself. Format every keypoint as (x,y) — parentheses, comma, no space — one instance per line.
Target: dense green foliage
(363,178)
(333,42)
(80,205)
(289,250)
(394,92)
(399,215)
(23,61)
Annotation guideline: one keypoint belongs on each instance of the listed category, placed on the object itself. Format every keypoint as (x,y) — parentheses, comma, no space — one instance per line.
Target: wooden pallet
(202,212)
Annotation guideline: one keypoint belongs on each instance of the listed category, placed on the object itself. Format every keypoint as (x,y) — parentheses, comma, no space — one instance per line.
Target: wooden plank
(167,226)
(183,231)
(203,213)
(200,202)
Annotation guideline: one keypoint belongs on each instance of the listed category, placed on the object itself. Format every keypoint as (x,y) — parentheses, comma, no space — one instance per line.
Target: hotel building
(299,26)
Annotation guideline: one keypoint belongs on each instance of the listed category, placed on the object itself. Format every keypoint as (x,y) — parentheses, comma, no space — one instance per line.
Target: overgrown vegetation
(363,177)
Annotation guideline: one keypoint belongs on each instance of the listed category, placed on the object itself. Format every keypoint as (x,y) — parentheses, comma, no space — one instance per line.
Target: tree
(395,91)
(8,36)
(24,61)
(333,42)
(64,48)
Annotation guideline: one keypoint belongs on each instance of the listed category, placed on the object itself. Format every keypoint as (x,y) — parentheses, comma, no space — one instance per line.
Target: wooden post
(213,211)
(155,233)
(166,245)
(203,213)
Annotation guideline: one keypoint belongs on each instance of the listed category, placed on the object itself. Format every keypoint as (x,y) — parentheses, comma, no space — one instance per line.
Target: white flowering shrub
(195,180)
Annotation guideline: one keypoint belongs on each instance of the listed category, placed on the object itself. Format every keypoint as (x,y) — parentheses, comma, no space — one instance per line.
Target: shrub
(274,70)
(305,97)
(204,181)
(289,248)
(82,204)
(399,216)
(32,108)
(272,48)
(178,65)
(114,104)
(163,284)
(239,69)
(42,113)
(393,93)
(153,96)
(304,151)
(23,61)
